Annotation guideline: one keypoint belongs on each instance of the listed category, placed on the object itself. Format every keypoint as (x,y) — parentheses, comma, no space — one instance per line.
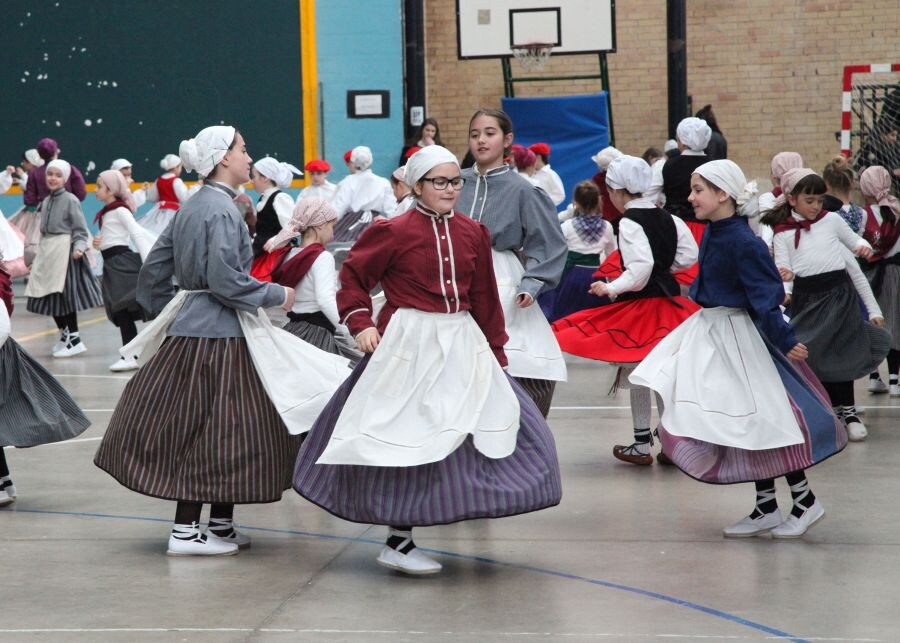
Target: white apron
(432,381)
(48,272)
(532,349)
(718,383)
(298,377)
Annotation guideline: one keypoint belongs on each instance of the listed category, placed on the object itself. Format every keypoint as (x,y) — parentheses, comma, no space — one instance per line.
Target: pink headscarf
(875,183)
(308,213)
(784,161)
(789,181)
(117,184)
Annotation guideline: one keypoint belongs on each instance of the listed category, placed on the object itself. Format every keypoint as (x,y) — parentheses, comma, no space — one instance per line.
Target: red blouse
(433,263)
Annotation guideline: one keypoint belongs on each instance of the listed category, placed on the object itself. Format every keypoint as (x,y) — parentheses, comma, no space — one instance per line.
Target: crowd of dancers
(412,387)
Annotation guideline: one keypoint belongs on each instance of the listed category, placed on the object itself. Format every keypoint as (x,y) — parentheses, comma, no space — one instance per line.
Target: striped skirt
(825,316)
(34,408)
(885,280)
(195,424)
(540,391)
(350,225)
(463,486)
(81,292)
(322,339)
(823,436)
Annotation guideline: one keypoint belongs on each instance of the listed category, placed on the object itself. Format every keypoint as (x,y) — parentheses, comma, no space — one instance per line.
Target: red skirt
(624,332)
(265,264)
(612,267)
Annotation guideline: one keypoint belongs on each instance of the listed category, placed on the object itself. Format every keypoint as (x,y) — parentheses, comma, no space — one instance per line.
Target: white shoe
(236,538)
(415,562)
(856,430)
(123,364)
(877,386)
(748,527)
(70,351)
(895,390)
(10,488)
(62,343)
(200,545)
(794,527)
(5,498)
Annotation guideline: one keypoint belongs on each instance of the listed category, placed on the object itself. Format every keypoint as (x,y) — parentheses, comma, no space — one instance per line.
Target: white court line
(65,442)
(603,408)
(96,377)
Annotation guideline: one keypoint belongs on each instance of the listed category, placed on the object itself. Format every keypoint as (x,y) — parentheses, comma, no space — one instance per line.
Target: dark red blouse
(433,263)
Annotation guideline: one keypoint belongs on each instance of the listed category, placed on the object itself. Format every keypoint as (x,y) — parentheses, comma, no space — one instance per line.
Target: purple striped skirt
(195,424)
(823,434)
(463,486)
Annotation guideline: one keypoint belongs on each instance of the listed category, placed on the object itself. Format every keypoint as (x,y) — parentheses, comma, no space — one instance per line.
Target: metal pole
(676,31)
(414,32)
(604,81)
(508,81)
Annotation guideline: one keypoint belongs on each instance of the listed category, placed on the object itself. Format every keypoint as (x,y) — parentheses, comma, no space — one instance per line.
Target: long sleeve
(325,286)
(227,280)
(849,238)
(762,283)
(284,208)
(608,241)
(388,201)
(341,200)
(142,238)
(549,180)
(637,257)
(152,194)
(655,193)
(78,225)
(154,289)
(31,194)
(543,244)
(686,249)
(362,269)
(140,198)
(781,251)
(75,184)
(484,299)
(6,181)
(181,190)
(863,287)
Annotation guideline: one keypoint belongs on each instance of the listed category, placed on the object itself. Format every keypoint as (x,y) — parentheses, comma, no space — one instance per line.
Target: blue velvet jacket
(737,271)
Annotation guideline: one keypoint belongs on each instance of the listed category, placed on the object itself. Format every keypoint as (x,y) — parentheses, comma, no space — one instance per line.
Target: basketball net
(533,56)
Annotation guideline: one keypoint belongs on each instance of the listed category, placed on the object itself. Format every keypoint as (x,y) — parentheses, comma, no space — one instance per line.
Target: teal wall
(360,46)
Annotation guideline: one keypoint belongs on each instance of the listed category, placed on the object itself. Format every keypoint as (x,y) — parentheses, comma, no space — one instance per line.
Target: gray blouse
(206,247)
(61,213)
(521,217)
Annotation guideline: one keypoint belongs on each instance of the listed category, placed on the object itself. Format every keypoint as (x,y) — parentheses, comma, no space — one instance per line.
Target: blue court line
(480,559)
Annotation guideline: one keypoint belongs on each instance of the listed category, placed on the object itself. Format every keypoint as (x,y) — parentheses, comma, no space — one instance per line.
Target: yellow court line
(53,331)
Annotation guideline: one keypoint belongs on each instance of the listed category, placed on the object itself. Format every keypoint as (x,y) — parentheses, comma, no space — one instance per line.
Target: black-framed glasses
(441,182)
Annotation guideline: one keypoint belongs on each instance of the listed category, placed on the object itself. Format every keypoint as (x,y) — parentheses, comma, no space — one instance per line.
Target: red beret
(347,156)
(540,148)
(317,165)
(411,151)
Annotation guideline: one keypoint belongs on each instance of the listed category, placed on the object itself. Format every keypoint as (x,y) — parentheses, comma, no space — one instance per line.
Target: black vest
(267,224)
(663,238)
(677,184)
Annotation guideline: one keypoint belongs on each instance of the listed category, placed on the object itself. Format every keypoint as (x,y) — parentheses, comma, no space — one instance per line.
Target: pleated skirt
(322,339)
(80,292)
(34,408)
(888,295)
(842,345)
(463,486)
(119,286)
(349,226)
(823,436)
(195,424)
(572,294)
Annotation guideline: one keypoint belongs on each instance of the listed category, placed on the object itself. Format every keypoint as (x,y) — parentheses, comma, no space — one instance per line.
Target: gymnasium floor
(631,554)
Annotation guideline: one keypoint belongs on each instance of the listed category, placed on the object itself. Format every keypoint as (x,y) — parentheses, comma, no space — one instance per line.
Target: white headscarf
(170,161)
(62,166)
(727,176)
(629,173)
(400,174)
(605,156)
(206,150)
(361,157)
(33,157)
(694,132)
(670,145)
(280,173)
(420,163)
(120,164)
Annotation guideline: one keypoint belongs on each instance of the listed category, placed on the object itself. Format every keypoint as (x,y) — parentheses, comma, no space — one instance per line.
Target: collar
(495,171)
(58,191)
(269,191)
(642,202)
(434,214)
(221,187)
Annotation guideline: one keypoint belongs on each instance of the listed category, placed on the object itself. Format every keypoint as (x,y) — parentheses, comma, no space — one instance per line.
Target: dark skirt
(34,408)
(323,339)
(463,486)
(195,424)
(825,316)
(823,436)
(885,279)
(572,295)
(119,285)
(349,227)
(80,292)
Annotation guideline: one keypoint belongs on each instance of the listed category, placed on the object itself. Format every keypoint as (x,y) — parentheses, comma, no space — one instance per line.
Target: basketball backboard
(491,28)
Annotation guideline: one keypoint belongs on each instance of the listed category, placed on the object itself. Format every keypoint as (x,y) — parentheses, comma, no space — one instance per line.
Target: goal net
(871,116)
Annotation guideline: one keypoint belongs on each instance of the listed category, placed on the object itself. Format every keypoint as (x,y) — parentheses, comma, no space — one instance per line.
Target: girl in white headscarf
(168,192)
(740,404)
(361,197)
(273,211)
(429,429)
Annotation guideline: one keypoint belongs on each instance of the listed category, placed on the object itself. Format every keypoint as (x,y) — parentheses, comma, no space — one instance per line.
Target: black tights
(841,393)
(187,513)
(4,468)
(127,327)
(68,321)
(894,362)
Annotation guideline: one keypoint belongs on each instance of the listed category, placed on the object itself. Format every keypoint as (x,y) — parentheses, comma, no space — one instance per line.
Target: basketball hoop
(532,56)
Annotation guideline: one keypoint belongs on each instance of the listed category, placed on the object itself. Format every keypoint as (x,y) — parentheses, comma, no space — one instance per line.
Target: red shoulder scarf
(293,270)
(798,226)
(106,208)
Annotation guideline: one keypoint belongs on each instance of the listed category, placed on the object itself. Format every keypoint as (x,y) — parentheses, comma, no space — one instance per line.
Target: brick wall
(772,70)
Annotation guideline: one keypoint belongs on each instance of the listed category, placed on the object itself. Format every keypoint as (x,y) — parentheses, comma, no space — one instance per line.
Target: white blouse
(549,180)
(284,205)
(603,247)
(637,255)
(364,192)
(825,247)
(324,191)
(119,228)
(318,288)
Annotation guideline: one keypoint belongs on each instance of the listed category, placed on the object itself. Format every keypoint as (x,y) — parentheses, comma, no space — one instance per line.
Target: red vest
(165,187)
(882,236)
